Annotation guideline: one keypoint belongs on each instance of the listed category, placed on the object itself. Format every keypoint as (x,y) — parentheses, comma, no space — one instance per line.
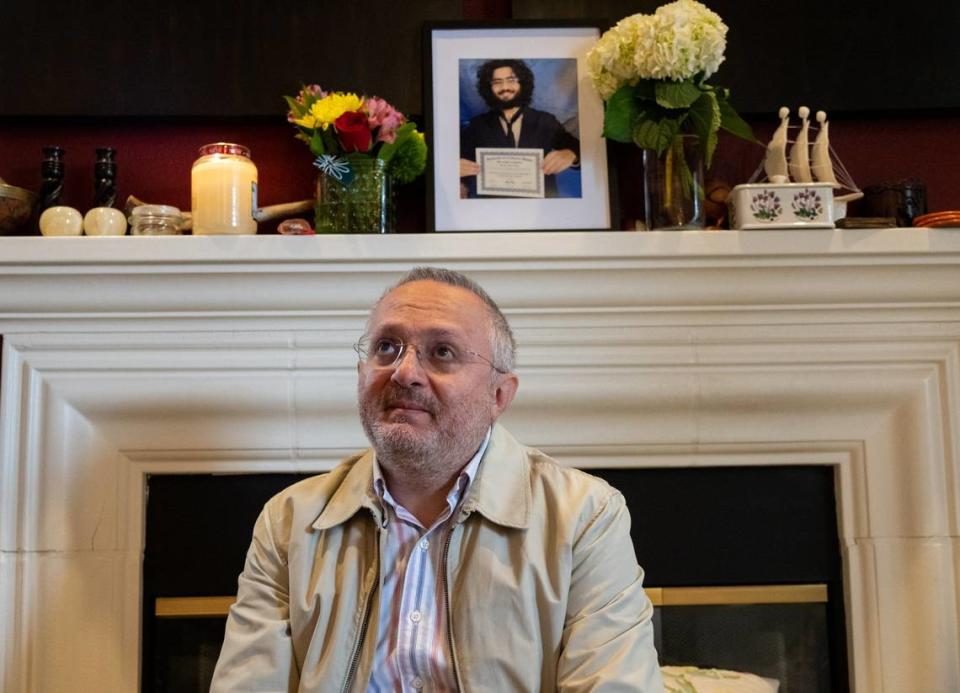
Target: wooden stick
(286,209)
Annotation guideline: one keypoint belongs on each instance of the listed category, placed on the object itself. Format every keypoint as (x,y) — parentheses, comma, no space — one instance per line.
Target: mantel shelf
(579,278)
(816,245)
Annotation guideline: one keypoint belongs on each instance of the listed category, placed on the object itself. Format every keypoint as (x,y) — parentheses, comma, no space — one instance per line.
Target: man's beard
(513,102)
(453,438)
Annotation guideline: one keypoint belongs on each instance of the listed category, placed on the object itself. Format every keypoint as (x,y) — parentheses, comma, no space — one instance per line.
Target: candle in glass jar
(224,190)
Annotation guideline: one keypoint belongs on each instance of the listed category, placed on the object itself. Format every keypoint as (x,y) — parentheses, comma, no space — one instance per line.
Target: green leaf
(676,94)
(620,114)
(294,107)
(330,142)
(733,123)
(705,119)
(389,149)
(316,144)
(655,134)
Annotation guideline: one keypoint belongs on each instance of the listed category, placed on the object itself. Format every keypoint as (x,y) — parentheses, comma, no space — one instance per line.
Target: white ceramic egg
(61,221)
(104,221)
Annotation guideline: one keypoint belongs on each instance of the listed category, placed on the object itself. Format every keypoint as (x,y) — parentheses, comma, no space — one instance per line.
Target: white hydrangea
(693,36)
(678,41)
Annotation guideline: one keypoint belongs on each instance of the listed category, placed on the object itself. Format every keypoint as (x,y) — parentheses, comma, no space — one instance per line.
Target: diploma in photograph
(509,172)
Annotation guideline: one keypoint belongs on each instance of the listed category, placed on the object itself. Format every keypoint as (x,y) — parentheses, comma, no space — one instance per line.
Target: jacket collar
(501,491)
(354,491)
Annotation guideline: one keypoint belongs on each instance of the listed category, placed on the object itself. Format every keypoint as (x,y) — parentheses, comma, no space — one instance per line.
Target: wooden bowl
(16,207)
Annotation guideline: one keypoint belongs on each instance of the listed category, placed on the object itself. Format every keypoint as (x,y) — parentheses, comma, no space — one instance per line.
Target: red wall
(154,159)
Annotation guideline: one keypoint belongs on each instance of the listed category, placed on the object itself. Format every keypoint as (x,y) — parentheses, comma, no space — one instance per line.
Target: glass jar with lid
(224,190)
(155,220)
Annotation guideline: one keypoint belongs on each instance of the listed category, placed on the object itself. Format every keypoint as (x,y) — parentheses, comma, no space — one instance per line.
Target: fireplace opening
(742,563)
(739,526)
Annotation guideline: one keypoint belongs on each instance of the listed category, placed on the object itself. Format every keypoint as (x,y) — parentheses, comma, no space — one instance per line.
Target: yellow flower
(328,109)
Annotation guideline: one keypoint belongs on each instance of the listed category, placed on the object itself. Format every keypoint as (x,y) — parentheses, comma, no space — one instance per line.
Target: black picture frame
(451,51)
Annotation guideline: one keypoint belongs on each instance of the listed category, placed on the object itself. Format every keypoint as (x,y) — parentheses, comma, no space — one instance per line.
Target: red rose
(353,131)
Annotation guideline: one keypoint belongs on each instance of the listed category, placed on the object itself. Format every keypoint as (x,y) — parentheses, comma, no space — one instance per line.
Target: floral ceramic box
(781,206)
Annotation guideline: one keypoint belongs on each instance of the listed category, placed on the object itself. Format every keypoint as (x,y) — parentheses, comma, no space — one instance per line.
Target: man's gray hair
(501,340)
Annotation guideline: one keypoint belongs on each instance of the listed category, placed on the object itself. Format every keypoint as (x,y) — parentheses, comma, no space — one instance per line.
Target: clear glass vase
(673,186)
(365,205)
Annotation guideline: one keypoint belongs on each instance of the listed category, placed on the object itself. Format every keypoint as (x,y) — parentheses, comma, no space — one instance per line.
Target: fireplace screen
(742,564)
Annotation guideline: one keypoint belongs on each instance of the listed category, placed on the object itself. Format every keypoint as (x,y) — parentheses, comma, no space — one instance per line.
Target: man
(507,88)
(449,557)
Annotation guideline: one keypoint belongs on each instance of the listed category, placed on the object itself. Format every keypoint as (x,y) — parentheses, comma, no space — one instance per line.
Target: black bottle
(105,178)
(51,175)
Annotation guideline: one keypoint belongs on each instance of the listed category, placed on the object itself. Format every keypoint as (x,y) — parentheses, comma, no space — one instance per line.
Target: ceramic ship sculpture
(798,190)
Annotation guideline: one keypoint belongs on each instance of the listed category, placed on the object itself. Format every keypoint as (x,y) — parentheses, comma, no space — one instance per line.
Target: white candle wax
(224,195)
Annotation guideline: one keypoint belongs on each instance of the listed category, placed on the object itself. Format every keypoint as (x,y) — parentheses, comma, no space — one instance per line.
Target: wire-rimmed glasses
(439,356)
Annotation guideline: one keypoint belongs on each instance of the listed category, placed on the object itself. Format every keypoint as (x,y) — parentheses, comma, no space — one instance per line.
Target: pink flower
(382,115)
(311,90)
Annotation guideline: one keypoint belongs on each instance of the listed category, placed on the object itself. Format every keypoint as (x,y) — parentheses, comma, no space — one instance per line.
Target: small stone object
(104,221)
(295,227)
(61,221)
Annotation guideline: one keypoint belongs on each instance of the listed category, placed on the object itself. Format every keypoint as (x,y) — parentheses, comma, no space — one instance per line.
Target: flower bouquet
(652,71)
(362,146)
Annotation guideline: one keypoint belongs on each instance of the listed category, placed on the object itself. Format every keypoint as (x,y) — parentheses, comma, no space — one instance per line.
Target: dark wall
(853,55)
(163,57)
(156,57)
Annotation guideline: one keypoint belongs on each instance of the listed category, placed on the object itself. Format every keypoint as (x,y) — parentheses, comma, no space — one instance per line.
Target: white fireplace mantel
(135,356)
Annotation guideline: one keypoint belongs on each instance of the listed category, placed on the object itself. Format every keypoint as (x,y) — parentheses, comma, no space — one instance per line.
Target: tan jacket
(543,585)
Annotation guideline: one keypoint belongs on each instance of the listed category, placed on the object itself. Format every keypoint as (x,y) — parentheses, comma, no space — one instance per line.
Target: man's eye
(444,352)
(385,347)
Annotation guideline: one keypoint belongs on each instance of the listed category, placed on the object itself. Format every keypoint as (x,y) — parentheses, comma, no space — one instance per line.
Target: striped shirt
(412,654)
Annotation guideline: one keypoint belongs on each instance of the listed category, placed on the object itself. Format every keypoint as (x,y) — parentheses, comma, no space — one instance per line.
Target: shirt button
(424,544)
(415,616)
(417,683)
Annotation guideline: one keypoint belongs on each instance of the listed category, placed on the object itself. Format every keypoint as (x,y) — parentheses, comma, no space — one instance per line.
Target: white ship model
(799,189)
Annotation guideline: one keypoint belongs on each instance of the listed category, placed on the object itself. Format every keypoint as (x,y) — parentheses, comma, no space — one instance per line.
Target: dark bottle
(51,175)
(105,178)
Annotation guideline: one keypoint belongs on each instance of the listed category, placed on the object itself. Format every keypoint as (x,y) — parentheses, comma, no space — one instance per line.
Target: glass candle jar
(155,220)
(224,190)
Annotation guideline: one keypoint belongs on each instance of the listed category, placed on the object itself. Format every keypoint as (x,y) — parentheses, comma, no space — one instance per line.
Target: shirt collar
(457,492)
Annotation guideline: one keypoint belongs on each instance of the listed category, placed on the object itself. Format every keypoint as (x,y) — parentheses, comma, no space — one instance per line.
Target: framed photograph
(515,128)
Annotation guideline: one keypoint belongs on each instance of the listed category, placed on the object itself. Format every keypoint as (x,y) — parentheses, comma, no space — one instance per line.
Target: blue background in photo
(555,91)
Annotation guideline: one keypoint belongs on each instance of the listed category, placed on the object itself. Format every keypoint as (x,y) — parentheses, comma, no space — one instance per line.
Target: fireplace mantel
(675,274)
(134,356)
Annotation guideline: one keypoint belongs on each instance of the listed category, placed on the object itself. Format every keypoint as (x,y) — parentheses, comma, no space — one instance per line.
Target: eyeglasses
(437,357)
(503,82)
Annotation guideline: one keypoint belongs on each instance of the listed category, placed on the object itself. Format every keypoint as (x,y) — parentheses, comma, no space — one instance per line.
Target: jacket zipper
(368,604)
(446,602)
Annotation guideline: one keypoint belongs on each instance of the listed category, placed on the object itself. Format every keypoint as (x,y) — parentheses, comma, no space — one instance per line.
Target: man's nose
(408,369)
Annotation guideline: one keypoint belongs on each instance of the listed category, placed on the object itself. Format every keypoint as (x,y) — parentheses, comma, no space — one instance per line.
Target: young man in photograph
(506,86)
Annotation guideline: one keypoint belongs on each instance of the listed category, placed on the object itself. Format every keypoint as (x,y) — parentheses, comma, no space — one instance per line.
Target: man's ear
(504,392)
